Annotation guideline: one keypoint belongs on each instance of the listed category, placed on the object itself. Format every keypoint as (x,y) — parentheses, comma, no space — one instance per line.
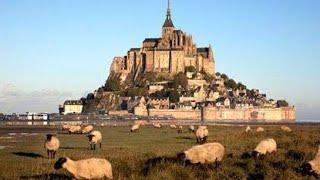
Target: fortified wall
(211,114)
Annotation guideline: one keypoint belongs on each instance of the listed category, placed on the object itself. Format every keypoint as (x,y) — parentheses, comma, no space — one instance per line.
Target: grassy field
(149,153)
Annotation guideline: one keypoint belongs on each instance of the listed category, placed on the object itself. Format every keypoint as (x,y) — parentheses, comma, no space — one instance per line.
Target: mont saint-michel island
(170,76)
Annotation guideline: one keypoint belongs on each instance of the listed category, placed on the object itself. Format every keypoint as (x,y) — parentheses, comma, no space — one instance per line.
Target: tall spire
(168,11)
(168,22)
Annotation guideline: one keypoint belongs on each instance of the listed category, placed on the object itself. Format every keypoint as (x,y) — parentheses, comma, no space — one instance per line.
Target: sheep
(259,129)
(202,134)
(264,147)
(191,128)
(248,129)
(312,167)
(87,129)
(52,144)
(65,127)
(95,137)
(173,126)
(285,129)
(156,125)
(93,168)
(180,129)
(203,154)
(135,127)
(74,129)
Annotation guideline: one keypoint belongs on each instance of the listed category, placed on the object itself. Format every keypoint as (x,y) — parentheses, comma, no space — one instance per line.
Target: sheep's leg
(48,153)
(91,146)
(100,145)
(94,146)
(53,154)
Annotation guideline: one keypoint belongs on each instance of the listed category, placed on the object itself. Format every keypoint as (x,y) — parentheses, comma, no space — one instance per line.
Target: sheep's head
(90,136)
(306,169)
(255,154)
(49,136)
(181,157)
(59,163)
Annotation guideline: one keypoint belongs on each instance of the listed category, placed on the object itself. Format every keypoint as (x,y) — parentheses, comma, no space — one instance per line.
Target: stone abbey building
(171,53)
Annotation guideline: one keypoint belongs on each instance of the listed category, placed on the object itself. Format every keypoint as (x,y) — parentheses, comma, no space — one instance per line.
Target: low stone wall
(212,114)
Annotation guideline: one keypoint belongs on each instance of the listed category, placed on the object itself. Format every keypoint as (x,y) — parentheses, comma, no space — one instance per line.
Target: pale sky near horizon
(55,50)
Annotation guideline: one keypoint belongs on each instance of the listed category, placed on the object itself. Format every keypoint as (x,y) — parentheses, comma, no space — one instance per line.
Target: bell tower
(168,27)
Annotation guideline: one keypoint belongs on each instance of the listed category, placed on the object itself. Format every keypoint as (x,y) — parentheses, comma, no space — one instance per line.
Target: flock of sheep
(204,153)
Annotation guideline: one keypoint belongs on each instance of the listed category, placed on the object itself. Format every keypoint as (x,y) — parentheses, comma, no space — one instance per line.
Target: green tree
(180,79)
(174,96)
(218,74)
(136,91)
(230,84)
(241,86)
(191,69)
(113,84)
(282,103)
(224,76)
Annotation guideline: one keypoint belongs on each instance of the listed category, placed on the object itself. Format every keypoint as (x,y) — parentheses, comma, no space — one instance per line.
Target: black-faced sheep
(191,128)
(52,144)
(311,168)
(173,126)
(156,125)
(248,129)
(285,129)
(95,137)
(87,129)
(203,154)
(75,129)
(86,169)
(202,134)
(135,127)
(259,129)
(264,147)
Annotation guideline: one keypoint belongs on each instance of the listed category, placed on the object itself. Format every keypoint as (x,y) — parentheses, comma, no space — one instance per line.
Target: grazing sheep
(95,137)
(248,129)
(86,169)
(191,128)
(312,167)
(285,129)
(135,127)
(264,147)
(259,129)
(65,127)
(173,126)
(52,144)
(87,129)
(114,125)
(202,134)
(203,154)
(141,122)
(75,129)
(156,125)
(180,129)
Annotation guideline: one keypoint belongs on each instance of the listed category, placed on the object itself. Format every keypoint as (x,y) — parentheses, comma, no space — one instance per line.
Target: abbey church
(171,53)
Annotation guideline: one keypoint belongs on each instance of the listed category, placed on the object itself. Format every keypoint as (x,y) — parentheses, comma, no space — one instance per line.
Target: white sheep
(156,125)
(259,129)
(264,147)
(203,154)
(180,129)
(248,129)
(95,137)
(65,127)
(312,167)
(173,126)
(86,169)
(87,129)
(135,127)
(191,128)
(52,144)
(285,129)
(202,134)
(75,129)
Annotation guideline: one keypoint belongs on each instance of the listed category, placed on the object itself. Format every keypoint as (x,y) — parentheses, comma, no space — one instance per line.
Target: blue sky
(52,50)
